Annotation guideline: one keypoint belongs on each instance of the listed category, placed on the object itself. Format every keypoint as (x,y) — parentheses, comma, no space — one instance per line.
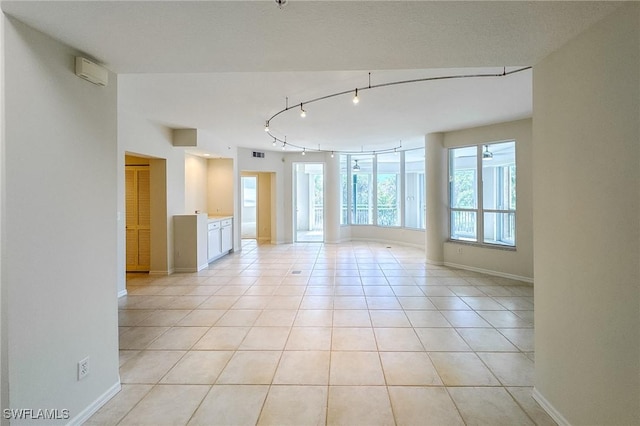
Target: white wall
(519,263)
(138,136)
(222,186)
(59,231)
(586,152)
(195,184)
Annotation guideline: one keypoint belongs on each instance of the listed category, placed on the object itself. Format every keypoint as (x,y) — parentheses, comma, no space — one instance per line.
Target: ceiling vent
(257,154)
(91,72)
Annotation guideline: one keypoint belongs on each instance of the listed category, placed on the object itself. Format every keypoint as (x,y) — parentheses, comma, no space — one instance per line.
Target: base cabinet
(220,237)
(190,242)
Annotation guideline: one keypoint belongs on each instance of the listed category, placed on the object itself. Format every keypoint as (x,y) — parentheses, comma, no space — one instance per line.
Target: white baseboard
(84,415)
(550,409)
(122,293)
(489,272)
(163,273)
(435,262)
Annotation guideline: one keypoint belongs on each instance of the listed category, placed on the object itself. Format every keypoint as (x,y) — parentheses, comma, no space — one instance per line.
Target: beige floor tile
(397,339)
(416,303)
(449,303)
(303,368)
(126,355)
(391,318)
(512,369)
(261,290)
(265,338)
(462,369)
(353,339)
(380,290)
(131,317)
(441,339)
(284,302)
(218,302)
(351,318)
(407,290)
(488,406)
(355,368)
(250,367)
(384,302)
(252,302)
(523,396)
(314,318)
(309,338)
(186,302)
(486,339)
(515,303)
(226,405)
(429,406)
(290,289)
(201,317)
(461,319)
(149,366)
(179,338)
(239,318)
(349,302)
(140,337)
(427,319)
(483,303)
(349,290)
(198,368)
(466,290)
(167,405)
(276,318)
(222,338)
(118,406)
(295,405)
(409,369)
(504,319)
(437,290)
(523,338)
(317,302)
(359,405)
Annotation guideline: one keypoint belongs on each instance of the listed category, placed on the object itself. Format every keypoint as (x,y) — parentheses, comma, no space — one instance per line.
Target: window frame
(480,209)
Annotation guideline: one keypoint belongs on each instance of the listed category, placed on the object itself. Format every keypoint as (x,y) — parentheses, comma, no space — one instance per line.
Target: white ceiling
(225,67)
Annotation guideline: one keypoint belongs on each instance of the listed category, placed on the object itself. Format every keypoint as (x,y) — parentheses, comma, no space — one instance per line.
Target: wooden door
(138,216)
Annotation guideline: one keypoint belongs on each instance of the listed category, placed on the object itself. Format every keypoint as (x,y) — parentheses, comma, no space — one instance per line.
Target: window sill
(483,245)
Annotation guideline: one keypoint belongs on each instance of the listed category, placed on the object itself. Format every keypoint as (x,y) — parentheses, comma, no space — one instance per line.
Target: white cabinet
(226,227)
(214,246)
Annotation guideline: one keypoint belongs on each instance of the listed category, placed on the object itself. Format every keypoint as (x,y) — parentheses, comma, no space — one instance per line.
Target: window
(482,193)
(344,190)
(384,189)
(414,199)
(388,189)
(362,189)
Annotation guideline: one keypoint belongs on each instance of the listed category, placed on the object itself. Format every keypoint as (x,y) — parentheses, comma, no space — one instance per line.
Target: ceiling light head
(355,97)
(356,167)
(281,3)
(266,126)
(304,151)
(274,142)
(332,154)
(284,146)
(487,155)
(303,113)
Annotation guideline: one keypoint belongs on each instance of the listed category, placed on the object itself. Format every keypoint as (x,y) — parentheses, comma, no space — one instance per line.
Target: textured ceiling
(250,55)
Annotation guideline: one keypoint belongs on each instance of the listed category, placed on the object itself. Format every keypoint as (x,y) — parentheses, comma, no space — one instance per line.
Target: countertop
(213,217)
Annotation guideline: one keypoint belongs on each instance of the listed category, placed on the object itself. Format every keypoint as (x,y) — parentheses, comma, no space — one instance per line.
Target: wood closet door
(138,213)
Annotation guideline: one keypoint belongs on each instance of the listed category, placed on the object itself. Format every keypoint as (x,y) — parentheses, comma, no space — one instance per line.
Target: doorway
(249,215)
(308,202)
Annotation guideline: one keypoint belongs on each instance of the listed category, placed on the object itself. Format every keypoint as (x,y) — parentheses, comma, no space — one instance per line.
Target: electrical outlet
(83,368)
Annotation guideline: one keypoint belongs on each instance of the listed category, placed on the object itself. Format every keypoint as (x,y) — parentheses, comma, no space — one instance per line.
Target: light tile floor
(313,334)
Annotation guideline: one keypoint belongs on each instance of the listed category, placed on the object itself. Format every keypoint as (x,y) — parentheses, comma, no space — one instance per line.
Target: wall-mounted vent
(257,154)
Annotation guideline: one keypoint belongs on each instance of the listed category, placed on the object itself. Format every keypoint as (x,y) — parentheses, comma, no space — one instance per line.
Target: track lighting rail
(374,86)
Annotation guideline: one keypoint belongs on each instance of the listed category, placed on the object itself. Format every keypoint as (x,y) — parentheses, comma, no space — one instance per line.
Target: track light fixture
(485,155)
(304,151)
(274,142)
(331,154)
